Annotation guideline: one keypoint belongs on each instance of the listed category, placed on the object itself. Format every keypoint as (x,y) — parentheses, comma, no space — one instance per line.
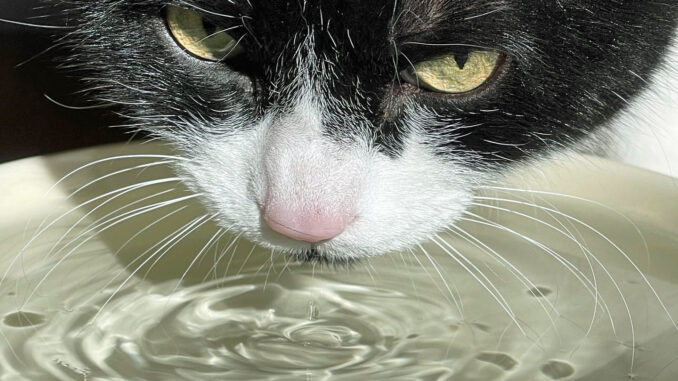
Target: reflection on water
(514,292)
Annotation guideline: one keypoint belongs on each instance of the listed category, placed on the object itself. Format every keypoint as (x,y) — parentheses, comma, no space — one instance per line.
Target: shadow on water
(155,230)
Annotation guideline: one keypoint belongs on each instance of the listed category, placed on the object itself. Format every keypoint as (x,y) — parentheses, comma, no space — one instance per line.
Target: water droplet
(557,369)
(501,360)
(312,311)
(23,319)
(540,292)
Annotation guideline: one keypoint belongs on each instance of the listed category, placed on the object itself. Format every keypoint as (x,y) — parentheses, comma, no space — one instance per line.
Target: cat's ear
(456,73)
(200,37)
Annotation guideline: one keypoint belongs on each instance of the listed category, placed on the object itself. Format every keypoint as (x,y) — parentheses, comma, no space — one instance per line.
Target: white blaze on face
(284,184)
(311,185)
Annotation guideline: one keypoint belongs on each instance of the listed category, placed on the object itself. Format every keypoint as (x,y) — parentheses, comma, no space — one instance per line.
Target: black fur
(572,64)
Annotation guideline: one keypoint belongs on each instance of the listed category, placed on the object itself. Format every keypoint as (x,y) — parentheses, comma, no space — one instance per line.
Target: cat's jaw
(393,203)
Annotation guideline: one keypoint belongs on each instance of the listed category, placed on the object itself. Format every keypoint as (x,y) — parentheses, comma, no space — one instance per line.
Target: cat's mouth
(315,257)
(303,251)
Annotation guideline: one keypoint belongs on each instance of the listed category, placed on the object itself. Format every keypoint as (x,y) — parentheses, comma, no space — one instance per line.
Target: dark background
(29,123)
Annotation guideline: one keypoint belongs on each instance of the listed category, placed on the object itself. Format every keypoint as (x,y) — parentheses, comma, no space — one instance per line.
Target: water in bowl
(531,285)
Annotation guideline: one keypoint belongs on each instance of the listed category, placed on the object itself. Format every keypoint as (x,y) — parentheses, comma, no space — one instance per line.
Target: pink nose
(307,227)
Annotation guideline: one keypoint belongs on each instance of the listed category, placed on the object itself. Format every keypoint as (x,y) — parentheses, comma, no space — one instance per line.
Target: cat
(338,130)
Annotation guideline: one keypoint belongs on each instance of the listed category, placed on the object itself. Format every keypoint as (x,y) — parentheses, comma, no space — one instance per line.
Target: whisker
(244,263)
(616,247)
(200,221)
(69,107)
(219,32)
(115,173)
(584,250)
(41,26)
(520,276)
(126,243)
(104,217)
(587,283)
(215,238)
(112,158)
(455,300)
(177,236)
(39,233)
(491,289)
(232,246)
(577,198)
(573,269)
(432,44)
(192,5)
(65,257)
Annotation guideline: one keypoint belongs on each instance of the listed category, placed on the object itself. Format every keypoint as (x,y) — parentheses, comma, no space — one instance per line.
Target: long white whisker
(123,190)
(107,159)
(617,248)
(121,171)
(77,223)
(156,206)
(456,301)
(577,198)
(522,278)
(126,243)
(576,272)
(104,220)
(433,281)
(41,231)
(584,250)
(491,289)
(231,245)
(215,238)
(178,236)
(200,221)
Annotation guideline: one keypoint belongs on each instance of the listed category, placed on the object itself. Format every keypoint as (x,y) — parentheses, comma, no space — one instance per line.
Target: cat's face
(340,129)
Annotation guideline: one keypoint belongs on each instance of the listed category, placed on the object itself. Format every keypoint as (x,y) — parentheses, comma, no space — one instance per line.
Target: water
(517,293)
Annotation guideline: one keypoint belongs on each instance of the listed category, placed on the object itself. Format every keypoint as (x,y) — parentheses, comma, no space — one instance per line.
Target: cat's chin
(324,253)
(316,257)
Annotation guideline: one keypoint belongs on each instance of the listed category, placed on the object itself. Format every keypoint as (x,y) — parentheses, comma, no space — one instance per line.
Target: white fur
(646,133)
(399,202)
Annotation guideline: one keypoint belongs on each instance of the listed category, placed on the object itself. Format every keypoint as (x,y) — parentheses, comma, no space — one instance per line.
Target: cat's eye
(455,73)
(199,36)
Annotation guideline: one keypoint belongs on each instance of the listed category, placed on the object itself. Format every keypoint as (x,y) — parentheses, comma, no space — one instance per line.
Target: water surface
(531,286)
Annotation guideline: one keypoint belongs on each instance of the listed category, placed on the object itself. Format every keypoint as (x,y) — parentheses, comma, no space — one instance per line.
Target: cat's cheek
(225,172)
(404,202)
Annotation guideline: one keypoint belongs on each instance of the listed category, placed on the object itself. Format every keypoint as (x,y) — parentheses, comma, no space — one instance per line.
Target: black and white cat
(341,129)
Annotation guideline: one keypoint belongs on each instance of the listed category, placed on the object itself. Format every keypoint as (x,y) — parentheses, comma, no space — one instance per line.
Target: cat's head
(340,129)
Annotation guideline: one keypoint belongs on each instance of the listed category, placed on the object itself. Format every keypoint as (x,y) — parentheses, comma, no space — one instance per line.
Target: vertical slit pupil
(461,59)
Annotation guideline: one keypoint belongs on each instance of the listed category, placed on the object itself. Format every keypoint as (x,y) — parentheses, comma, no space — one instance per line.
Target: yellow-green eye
(200,37)
(452,75)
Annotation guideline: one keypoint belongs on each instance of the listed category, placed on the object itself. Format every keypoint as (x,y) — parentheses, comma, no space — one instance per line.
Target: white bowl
(566,271)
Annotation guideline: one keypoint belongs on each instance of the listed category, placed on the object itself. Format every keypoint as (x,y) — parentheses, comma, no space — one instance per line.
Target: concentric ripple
(520,291)
(246,327)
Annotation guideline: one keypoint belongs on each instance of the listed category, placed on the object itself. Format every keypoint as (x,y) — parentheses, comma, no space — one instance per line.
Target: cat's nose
(307,226)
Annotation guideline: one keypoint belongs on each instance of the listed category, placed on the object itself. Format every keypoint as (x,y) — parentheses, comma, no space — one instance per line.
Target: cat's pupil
(461,59)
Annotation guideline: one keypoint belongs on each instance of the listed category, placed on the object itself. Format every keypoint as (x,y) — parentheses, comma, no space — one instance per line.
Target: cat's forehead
(401,17)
